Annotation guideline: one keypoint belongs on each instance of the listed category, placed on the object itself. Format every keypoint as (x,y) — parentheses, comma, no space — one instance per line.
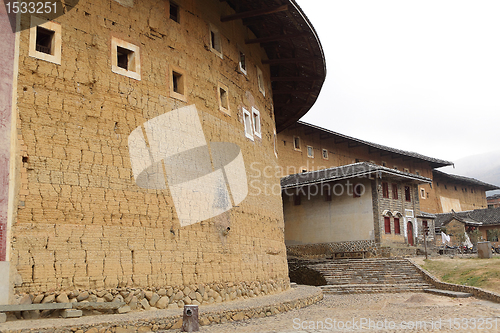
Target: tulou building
(128,132)
(346,197)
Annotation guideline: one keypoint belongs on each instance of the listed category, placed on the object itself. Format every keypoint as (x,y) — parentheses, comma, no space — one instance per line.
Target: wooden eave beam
(291,91)
(254,13)
(287,60)
(324,136)
(294,78)
(351,144)
(338,141)
(274,38)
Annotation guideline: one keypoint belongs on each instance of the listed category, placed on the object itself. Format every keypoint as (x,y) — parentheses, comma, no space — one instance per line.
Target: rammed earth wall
(82,223)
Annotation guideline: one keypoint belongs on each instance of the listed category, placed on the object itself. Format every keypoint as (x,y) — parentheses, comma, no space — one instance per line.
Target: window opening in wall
(215,40)
(385,190)
(123,57)
(387,225)
(247,119)
(407,170)
(304,170)
(417,172)
(325,154)
(422,193)
(395,191)
(397,227)
(243,62)
(177,83)
(456,189)
(260,81)
(445,187)
(384,164)
(296,143)
(491,236)
(310,151)
(223,98)
(174,12)
(395,167)
(407,194)
(44,40)
(256,122)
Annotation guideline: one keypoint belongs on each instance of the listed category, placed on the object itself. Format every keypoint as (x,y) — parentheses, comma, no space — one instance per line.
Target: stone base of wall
(170,297)
(147,321)
(367,247)
(351,249)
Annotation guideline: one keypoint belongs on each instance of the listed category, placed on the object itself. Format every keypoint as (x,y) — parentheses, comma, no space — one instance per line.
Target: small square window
(243,63)
(256,122)
(395,167)
(247,120)
(310,151)
(407,170)
(260,81)
(417,172)
(325,154)
(178,84)
(223,98)
(384,163)
(125,59)
(174,12)
(304,170)
(296,143)
(45,40)
(215,40)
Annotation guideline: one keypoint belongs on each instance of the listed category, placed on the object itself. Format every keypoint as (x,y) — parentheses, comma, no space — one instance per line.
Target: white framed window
(215,40)
(45,40)
(223,96)
(260,81)
(177,79)
(256,122)
(247,122)
(407,170)
(296,143)
(325,154)
(125,59)
(242,62)
(422,193)
(310,151)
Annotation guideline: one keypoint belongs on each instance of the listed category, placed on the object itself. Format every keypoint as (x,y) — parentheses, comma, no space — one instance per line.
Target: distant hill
(484,167)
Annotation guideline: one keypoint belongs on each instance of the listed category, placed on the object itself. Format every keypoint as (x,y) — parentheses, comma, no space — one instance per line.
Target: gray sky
(419,75)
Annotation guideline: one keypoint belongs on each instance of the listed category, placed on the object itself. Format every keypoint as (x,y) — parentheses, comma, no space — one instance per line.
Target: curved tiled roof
(488,216)
(294,53)
(435,162)
(465,180)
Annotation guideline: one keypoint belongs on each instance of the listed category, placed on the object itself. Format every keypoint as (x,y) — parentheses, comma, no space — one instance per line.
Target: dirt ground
(402,312)
(466,270)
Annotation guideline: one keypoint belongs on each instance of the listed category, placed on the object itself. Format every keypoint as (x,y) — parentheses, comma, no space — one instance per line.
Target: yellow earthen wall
(82,222)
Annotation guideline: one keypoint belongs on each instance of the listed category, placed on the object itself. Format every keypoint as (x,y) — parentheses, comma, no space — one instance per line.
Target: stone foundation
(368,247)
(171,297)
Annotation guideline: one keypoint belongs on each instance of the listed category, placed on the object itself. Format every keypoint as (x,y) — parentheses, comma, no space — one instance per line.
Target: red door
(409,227)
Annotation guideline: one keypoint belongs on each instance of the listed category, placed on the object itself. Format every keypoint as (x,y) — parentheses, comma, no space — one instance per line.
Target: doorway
(409,227)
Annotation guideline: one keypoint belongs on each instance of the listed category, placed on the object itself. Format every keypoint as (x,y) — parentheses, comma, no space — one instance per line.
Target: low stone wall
(477,292)
(170,297)
(147,321)
(328,249)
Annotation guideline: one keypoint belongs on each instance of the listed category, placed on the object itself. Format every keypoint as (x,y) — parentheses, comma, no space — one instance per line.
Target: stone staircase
(377,275)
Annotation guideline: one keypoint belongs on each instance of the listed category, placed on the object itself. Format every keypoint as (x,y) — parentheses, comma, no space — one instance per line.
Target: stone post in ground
(190,319)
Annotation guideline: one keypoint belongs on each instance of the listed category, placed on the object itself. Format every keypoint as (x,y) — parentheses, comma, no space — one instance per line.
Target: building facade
(133,125)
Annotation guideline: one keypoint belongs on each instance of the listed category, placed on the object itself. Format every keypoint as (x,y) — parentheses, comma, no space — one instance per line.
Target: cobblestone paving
(391,312)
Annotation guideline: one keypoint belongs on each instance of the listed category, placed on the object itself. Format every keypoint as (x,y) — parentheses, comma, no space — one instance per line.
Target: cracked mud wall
(82,222)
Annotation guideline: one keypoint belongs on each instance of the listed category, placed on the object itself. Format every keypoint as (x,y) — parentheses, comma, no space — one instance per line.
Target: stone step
(449,293)
(374,288)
